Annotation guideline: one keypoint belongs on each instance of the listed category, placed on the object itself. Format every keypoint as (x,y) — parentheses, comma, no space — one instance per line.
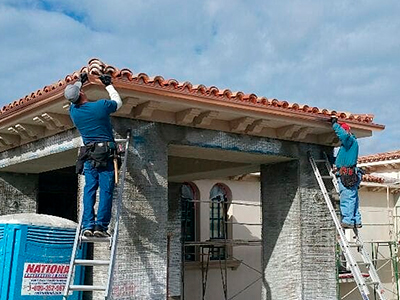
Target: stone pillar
(18,193)
(318,237)
(298,234)
(141,258)
(175,245)
(281,232)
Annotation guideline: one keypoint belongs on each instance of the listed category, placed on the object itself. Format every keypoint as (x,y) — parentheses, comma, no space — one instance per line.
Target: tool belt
(98,153)
(348,176)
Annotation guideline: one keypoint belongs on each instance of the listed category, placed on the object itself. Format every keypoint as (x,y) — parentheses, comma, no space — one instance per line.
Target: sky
(342,55)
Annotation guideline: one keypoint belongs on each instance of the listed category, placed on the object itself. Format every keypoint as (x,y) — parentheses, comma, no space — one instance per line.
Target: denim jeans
(95,178)
(349,203)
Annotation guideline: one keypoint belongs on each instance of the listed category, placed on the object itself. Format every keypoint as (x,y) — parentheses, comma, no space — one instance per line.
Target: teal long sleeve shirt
(348,152)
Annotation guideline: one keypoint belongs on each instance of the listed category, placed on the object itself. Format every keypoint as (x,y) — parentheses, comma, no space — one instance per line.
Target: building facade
(183,137)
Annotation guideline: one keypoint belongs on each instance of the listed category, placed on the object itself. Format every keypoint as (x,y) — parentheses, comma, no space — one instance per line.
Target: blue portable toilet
(35,252)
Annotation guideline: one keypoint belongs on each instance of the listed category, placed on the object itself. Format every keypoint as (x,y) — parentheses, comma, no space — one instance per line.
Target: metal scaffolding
(383,252)
(205,249)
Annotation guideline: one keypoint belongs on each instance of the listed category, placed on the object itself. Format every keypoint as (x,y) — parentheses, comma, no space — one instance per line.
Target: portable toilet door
(35,252)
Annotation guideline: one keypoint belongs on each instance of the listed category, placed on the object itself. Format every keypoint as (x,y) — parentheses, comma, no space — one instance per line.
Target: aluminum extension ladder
(79,240)
(345,245)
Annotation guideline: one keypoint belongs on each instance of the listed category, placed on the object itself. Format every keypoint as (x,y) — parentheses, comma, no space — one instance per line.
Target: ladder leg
(110,262)
(343,241)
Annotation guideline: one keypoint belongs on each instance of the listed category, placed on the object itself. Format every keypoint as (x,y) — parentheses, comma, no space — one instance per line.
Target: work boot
(87,233)
(100,233)
(343,270)
(346,226)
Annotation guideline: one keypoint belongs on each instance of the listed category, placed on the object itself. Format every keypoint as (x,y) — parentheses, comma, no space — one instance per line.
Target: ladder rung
(87,288)
(319,160)
(364,264)
(120,140)
(90,262)
(95,239)
(344,242)
(355,244)
(79,239)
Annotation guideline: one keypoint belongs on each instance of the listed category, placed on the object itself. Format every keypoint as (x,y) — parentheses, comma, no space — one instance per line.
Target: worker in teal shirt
(349,176)
(92,119)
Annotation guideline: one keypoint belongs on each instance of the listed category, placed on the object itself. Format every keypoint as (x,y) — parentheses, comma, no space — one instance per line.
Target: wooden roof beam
(257,126)
(145,110)
(10,139)
(240,125)
(205,118)
(287,132)
(128,105)
(328,138)
(186,117)
(302,133)
(27,131)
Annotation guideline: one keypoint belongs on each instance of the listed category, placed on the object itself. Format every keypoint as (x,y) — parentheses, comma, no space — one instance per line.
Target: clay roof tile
(372,178)
(97,67)
(390,155)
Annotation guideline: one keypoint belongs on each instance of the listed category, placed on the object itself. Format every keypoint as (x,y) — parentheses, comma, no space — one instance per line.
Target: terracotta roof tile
(380,157)
(372,178)
(97,67)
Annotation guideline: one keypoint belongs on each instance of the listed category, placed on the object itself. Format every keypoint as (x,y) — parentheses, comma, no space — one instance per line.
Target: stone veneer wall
(175,233)
(318,237)
(18,193)
(141,267)
(292,210)
(298,233)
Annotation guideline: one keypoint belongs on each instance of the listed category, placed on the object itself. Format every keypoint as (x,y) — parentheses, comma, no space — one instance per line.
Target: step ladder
(345,244)
(79,240)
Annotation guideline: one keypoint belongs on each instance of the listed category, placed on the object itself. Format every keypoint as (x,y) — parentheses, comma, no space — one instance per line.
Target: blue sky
(342,54)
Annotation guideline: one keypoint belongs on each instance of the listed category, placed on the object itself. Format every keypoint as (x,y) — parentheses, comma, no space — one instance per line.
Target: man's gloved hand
(105,79)
(334,119)
(84,77)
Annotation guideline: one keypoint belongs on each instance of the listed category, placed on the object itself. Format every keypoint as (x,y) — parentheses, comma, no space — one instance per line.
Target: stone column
(281,231)
(318,237)
(18,193)
(175,245)
(298,234)
(141,258)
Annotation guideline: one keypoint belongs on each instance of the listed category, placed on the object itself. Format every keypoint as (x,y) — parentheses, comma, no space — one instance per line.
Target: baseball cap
(345,126)
(72,91)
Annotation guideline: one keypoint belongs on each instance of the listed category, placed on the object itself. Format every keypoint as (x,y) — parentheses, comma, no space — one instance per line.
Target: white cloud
(340,55)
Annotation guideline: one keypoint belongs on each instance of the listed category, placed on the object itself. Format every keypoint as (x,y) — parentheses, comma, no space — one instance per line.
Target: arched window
(220,196)
(189,192)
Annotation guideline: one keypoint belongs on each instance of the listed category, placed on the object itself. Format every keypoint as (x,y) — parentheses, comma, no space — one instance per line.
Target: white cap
(72,91)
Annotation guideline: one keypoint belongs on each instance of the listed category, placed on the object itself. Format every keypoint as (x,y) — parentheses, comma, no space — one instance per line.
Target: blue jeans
(94,178)
(349,203)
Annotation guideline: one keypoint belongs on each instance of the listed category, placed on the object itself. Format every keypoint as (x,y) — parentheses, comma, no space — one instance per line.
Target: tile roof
(372,178)
(390,155)
(97,67)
